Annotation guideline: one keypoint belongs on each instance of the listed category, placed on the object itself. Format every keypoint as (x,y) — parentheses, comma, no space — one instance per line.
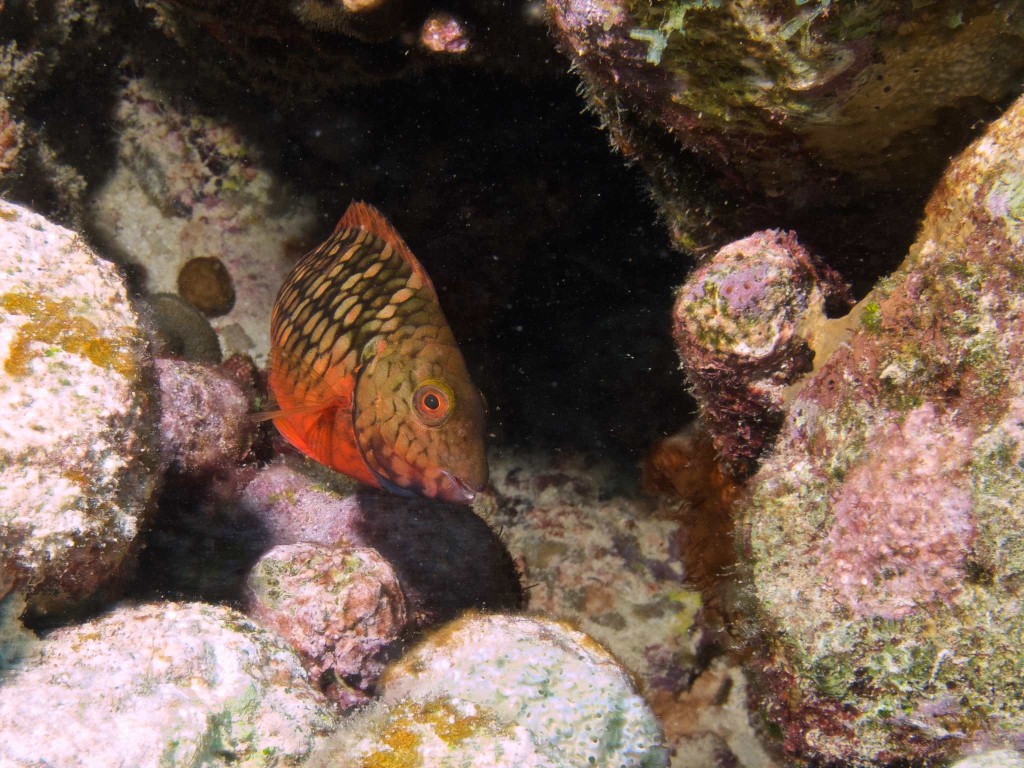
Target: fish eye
(432,402)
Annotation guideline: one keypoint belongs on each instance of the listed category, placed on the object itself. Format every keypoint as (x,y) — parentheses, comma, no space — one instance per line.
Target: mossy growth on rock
(883,541)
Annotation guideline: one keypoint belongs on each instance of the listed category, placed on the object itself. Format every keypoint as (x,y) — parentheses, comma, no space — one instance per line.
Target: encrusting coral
(205,283)
(882,540)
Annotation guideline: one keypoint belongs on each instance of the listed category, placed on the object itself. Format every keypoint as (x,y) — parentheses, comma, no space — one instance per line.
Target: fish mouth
(457,490)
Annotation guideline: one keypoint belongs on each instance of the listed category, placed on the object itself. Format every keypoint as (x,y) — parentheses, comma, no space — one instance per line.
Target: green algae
(57,326)
(871,318)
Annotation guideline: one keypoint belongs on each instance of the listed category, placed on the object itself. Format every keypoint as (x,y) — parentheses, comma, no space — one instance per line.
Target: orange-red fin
(360,215)
(280,413)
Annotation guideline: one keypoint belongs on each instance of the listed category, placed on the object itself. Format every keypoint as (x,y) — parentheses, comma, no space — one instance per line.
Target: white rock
(156,685)
(555,681)
(76,439)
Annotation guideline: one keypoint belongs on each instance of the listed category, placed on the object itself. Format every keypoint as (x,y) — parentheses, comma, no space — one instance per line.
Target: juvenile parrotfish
(367,374)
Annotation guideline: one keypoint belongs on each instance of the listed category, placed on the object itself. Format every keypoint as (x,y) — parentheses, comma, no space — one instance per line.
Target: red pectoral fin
(315,416)
(327,436)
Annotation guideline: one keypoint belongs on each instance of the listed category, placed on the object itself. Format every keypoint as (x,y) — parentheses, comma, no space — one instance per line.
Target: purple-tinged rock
(341,608)
(204,417)
(883,540)
(743,323)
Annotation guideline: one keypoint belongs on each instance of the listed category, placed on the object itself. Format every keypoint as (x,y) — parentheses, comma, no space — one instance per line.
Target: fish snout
(455,490)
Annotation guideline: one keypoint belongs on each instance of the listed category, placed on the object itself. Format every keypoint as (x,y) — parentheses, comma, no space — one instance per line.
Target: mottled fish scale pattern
(366,371)
(351,289)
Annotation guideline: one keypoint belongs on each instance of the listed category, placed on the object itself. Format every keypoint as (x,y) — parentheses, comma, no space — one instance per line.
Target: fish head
(419,419)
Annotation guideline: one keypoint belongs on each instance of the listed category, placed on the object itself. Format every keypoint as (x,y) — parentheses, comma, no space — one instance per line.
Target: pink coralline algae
(903,527)
(742,325)
(341,608)
(882,545)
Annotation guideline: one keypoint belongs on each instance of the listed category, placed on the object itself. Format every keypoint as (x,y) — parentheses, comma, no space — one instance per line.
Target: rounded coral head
(419,419)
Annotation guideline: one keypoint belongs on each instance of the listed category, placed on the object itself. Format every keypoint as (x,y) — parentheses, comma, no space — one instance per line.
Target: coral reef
(443,732)
(555,681)
(189,186)
(749,113)
(163,684)
(882,539)
(204,417)
(77,442)
(341,608)
(742,323)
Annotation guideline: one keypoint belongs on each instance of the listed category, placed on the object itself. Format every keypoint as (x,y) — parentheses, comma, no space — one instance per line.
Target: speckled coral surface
(443,732)
(76,436)
(884,535)
(161,684)
(554,680)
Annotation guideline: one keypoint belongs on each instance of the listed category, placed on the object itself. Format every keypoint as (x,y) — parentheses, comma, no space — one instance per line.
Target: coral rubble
(191,191)
(78,460)
(599,557)
(883,538)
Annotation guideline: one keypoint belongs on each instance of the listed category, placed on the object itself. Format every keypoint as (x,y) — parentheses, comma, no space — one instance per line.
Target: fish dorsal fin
(360,215)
